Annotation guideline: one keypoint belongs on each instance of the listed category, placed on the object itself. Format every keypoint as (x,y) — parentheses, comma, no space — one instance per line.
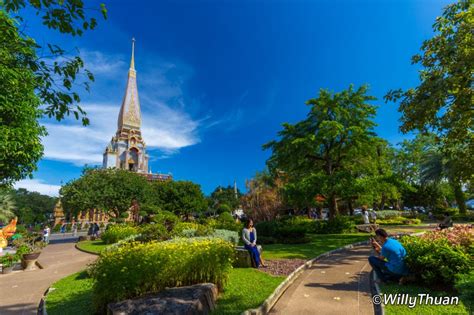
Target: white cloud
(102,64)
(163,128)
(38,186)
(166,123)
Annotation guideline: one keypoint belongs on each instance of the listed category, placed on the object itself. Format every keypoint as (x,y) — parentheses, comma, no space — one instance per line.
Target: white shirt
(366,217)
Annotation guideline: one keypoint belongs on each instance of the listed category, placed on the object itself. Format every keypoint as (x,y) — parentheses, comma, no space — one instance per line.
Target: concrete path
(337,284)
(21,292)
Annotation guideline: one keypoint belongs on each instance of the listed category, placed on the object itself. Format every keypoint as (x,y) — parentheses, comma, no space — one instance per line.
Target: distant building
(127,149)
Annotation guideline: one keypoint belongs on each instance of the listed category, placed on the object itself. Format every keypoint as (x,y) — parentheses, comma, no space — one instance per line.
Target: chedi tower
(127,150)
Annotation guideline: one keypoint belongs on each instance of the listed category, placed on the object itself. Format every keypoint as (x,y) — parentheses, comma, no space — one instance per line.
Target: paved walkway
(337,284)
(21,292)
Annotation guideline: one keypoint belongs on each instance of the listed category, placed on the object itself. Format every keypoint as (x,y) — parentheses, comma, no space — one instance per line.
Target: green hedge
(167,219)
(399,221)
(135,269)
(435,261)
(117,232)
(465,286)
(227,235)
(153,232)
(191,229)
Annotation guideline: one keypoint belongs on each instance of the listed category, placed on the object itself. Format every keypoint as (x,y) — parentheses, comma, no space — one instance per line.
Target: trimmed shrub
(228,235)
(435,261)
(153,232)
(336,225)
(288,232)
(136,269)
(399,221)
(267,228)
(184,229)
(389,214)
(167,219)
(465,286)
(226,221)
(117,232)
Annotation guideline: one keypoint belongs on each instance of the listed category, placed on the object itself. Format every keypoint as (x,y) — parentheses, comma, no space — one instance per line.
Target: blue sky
(218,78)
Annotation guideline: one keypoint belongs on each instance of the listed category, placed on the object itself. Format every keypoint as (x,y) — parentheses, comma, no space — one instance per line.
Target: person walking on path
(391,250)
(365,215)
(46,234)
(74,228)
(373,216)
(63,229)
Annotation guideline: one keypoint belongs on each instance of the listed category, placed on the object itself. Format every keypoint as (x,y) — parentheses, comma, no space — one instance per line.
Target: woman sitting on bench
(249,236)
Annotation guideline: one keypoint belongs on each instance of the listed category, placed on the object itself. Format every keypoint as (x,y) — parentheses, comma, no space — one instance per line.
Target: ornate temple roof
(130,115)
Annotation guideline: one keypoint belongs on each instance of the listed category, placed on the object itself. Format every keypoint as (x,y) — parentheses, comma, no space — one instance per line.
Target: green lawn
(413,291)
(71,295)
(92,246)
(246,288)
(319,244)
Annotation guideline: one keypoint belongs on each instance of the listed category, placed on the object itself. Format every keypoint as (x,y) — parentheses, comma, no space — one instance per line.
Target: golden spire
(130,110)
(132,62)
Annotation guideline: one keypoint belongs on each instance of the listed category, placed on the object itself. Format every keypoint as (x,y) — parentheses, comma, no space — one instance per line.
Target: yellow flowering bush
(135,269)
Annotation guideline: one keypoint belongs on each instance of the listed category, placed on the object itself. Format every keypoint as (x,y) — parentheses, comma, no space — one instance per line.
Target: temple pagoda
(127,149)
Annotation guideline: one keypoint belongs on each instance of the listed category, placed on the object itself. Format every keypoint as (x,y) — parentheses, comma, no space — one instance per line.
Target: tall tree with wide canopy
(37,81)
(183,198)
(443,101)
(113,191)
(335,133)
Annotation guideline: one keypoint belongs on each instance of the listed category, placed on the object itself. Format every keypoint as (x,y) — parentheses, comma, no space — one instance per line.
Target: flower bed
(439,256)
(117,232)
(135,269)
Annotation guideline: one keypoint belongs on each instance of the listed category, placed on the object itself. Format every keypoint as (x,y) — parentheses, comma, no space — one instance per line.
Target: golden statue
(7,232)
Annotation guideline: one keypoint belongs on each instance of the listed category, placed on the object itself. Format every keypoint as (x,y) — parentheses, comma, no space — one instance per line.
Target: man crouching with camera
(389,265)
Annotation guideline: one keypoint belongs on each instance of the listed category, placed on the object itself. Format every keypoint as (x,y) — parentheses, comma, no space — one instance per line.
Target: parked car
(470,204)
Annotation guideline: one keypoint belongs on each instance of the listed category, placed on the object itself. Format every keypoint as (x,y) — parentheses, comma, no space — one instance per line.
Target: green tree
(225,196)
(112,191)
(33,207)
(30,79)
(442,103)
(7,206)
(436,168)
(183,198)
(324,145)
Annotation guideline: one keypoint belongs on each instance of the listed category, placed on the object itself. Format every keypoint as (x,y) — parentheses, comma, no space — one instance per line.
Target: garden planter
(6,270)
(28,261)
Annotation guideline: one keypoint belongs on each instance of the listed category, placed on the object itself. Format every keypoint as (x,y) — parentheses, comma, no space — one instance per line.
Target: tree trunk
(333,210)
(459,195)
(349,205)
(383,201)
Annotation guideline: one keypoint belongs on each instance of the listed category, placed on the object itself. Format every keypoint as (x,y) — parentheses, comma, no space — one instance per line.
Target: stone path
(21,292)
(337,284)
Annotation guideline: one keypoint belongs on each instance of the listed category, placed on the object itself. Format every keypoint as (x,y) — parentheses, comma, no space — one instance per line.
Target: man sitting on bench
(447,222)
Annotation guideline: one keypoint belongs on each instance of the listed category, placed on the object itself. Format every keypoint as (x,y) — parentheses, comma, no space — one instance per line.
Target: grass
(246,288)
(413,291)
(92,246)
(71,295)
(320,243)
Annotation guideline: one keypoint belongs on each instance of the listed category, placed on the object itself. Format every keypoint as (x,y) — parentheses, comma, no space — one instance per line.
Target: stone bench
(242,257)
(368,228)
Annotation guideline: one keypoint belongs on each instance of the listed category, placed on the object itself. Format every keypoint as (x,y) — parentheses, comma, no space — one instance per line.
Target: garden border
(85,250)
(267,305)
